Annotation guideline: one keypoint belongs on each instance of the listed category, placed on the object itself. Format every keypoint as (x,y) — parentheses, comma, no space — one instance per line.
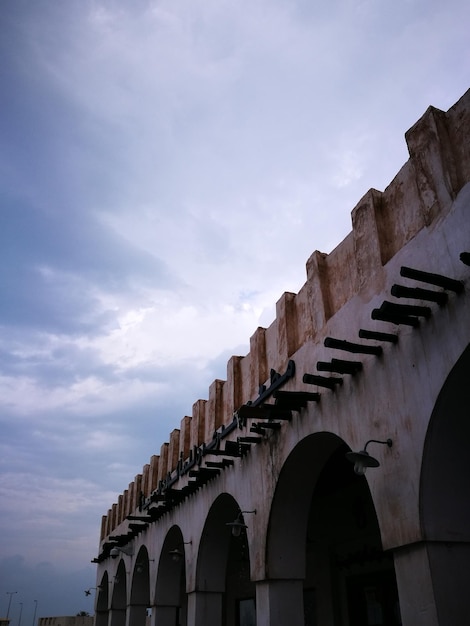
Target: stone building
(252,513)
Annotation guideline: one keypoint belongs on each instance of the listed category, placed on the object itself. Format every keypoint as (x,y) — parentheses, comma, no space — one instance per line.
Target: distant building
(67,620)
(252,514)
(4,621)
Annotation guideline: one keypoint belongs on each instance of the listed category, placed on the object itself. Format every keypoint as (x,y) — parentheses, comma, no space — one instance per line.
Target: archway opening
(170,590)
(348,575)
(324,535)
(102,601)
(140,589)
(223,567)
(119,596)
(445,495)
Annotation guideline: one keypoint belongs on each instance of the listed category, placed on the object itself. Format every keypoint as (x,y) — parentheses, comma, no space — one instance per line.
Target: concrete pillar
(450,571)
(367,244)
(318,287)
(164,616)
(286,316)
(431,151)
(433,580)
(205,608)
(104,521)
(136,615)
(414,584)
(279,602)
(215,409)
(258,361)
(117,617)
(233,390)
(101,618)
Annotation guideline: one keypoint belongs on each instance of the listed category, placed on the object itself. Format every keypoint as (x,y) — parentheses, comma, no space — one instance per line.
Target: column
(450,571)
(415,590)
(164,616)
(117,617)
(205,608)
(433,580)
(279,602)
(136,615)
(101,618)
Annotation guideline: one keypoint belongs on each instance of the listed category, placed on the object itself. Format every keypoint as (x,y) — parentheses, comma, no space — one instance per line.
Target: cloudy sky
(166,168)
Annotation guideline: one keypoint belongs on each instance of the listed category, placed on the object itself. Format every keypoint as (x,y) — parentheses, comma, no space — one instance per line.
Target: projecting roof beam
(330,382)
(137,527)
(220,464)
(383,315)
(291,399)
(432,279)
(250,440)
(348,346)
(263,411)
(416,293)
(339,366)
(260,429)
(406,309)
(372,334)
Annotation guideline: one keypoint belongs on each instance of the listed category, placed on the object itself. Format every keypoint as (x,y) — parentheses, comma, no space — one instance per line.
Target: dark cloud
(57,591)
(55,264)
(166,170)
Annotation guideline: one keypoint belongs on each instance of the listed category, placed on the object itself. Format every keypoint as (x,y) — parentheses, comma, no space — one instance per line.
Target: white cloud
(220,143)
(87,397)
(54,516)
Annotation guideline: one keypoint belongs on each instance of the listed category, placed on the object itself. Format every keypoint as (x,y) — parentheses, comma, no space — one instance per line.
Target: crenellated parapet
(421,193)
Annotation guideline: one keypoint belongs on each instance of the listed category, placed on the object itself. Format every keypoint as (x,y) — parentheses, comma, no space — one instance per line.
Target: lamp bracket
(388,443)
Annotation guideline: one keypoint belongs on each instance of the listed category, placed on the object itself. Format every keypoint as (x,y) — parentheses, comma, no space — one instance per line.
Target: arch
(102,601)
(222,579)
(445,469)
(291,504)
(445,495)
(139,590)
(324,547)
(119,596)
(170,585)
(140,584)
(215,543)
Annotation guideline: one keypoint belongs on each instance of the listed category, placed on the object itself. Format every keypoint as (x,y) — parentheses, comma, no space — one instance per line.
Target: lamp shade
(237,526)
(362,460)
(176,555)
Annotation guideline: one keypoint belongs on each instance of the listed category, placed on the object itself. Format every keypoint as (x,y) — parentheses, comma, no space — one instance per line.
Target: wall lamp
(140,567)
(114,552)
(176,554)
(362,459)
(87,592)
(238,525)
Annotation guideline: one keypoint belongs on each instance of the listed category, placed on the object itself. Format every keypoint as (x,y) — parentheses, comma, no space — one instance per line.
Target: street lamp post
(35,609)
(21,612)
(9,593)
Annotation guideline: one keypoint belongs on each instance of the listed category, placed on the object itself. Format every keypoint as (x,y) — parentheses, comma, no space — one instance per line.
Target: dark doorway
(373,599)
(353,577)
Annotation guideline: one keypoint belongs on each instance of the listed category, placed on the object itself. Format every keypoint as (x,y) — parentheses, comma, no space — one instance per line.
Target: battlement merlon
(438,167)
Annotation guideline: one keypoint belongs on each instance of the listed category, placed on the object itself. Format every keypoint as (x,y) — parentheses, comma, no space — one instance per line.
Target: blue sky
(166,170)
